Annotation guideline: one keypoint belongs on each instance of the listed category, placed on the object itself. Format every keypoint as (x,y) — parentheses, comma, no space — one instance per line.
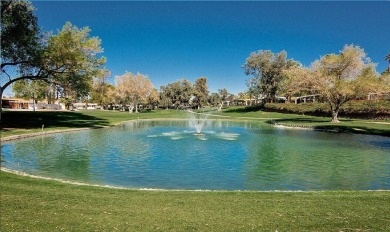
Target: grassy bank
(22,122)
(29,204)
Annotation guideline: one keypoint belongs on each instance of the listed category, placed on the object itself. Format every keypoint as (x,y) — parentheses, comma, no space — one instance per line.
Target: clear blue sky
(175,40)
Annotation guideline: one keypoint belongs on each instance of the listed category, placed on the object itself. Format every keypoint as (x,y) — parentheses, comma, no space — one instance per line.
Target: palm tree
(388,59)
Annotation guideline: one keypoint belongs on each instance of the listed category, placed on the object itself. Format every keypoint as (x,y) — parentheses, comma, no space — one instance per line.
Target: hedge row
(352,109)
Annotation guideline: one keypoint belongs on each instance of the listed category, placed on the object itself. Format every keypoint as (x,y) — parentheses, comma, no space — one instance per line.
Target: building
(22,104)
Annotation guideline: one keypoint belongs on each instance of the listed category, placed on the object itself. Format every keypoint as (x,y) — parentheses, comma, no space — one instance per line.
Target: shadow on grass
(245,109)
(300,120)
(33,120)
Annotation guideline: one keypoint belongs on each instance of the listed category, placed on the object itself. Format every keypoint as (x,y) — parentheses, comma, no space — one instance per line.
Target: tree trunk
(1,102)
(335,113)
(131,109)
(33,102)
(220,106)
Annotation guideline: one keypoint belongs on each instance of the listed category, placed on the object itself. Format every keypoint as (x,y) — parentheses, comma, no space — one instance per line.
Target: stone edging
(22,136)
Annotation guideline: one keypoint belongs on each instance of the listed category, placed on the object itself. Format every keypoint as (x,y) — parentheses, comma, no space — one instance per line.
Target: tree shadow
(33,120)
(300,120)
(245,109)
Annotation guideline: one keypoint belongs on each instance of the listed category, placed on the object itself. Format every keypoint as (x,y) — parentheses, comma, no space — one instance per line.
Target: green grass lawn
(29,204)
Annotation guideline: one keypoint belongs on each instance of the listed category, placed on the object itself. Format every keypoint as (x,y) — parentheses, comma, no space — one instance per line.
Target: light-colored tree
(299,81)
(133,89)
(343,77)
(201,92)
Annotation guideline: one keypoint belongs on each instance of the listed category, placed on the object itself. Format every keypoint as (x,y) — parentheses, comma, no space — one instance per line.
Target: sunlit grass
(29,204)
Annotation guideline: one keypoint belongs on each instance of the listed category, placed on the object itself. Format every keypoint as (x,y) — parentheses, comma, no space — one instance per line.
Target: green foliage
(101,91)
(214,99)
(19,23)
(267,70)
(21,45)
(27,89)
(71,60)
(342,77)
(201,92)
(176,93)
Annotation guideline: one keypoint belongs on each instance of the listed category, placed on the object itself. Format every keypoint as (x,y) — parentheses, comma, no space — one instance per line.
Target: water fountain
(197,121)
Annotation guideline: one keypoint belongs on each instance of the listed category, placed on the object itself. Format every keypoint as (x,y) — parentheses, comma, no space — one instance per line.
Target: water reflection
(229,155)
(308,160)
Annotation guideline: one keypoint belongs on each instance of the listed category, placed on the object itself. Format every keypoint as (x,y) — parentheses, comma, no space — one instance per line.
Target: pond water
(226,156)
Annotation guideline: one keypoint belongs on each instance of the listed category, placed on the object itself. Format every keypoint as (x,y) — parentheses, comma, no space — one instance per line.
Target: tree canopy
(133,89)
(177,93)
(267,70)
(69,59)
(21,42)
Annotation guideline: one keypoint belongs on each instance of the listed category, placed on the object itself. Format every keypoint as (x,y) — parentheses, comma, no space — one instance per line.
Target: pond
(227,155)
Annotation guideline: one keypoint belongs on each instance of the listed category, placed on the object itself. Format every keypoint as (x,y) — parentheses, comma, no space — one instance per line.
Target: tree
(266,68)
(133,89)
(71,61)
(388,59)
(153,98)
(342,76)
(100,87)
(253,88)
(165,97)
(68,59)
(223,96)
(201,92)
(177,93)
(27,89)
(214,99)
(299,81)
(21,45)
